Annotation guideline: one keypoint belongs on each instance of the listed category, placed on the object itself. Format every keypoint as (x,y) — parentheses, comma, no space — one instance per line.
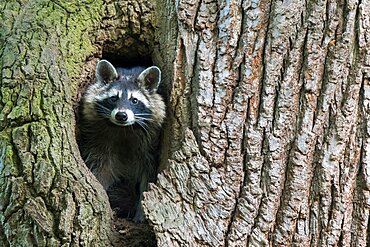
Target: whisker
(104,111)
(102,107)
(143,125)
(144,129)
(143,118)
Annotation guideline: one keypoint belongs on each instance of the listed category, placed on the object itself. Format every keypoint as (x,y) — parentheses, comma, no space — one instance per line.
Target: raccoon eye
(134,101)
(113,98)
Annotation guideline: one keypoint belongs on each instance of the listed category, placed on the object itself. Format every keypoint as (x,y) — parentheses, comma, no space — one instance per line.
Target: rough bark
(48,197)
(267,140)
(270,126)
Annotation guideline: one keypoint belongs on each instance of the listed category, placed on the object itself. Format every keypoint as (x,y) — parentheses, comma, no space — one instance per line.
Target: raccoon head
(123,96)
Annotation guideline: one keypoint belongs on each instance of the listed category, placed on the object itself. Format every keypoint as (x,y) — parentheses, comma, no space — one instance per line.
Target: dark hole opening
(127,61)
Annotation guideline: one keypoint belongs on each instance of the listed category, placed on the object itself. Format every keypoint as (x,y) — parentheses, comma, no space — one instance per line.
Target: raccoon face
(124,106)
(124,98)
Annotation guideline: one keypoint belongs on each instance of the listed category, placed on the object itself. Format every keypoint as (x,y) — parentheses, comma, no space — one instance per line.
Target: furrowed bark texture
(47,195)
(269,125)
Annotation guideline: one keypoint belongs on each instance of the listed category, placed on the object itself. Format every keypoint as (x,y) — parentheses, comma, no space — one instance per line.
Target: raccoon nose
(121,116)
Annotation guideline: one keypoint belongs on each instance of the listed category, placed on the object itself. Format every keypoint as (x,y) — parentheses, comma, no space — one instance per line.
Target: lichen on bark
(48,197)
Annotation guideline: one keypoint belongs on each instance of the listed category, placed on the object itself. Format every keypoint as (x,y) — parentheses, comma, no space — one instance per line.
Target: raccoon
(122,115)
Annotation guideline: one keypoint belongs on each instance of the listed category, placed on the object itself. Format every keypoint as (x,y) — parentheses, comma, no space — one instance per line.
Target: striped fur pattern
(122,114)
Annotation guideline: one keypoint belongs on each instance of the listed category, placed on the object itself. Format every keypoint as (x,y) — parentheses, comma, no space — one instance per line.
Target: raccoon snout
(121,116)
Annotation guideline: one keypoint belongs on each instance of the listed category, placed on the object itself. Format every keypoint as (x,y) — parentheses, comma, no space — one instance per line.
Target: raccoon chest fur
(122,114)
(116,154)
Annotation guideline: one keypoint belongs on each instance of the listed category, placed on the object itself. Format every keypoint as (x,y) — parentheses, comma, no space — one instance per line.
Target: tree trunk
(269,127)
(267,140)
(48,196)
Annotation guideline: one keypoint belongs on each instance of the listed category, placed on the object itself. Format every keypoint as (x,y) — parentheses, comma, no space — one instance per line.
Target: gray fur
(122,153)
(105,72)
(152,77)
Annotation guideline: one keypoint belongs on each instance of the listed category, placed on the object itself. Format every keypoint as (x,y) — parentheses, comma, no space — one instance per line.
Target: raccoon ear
(150,77)
(105,72)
